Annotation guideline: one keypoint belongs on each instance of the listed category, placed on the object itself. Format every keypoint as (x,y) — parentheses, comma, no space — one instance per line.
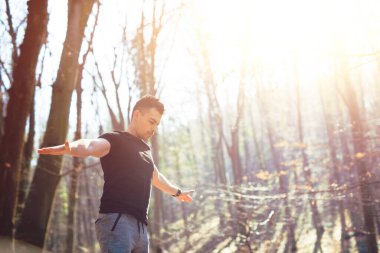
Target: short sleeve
(112,138)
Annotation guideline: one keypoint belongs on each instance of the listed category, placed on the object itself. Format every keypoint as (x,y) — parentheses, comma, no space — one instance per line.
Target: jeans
(121,233)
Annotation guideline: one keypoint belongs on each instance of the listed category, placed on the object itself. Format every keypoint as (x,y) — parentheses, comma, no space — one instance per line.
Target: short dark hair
(148,102)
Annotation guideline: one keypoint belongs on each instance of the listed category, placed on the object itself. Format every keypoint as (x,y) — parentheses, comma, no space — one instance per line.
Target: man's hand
(185,196)
(55,150)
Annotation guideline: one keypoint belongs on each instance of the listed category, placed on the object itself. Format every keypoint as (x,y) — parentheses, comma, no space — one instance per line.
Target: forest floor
(18,247)
(210,237)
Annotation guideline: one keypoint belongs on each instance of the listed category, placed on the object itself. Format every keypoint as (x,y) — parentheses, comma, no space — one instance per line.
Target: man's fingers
(42,151)
(45,151)
(185,197)
(56,150)
(188,200)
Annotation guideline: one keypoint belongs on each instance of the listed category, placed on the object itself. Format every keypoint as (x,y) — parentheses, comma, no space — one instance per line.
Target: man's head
(146,115)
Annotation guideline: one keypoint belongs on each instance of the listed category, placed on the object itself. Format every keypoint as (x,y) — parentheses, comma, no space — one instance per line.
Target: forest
(272,116)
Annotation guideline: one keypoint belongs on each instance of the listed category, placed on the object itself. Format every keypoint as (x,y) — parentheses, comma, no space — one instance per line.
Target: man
(129,171)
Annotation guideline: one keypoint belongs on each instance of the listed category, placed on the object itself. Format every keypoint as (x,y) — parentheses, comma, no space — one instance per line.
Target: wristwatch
(178,193)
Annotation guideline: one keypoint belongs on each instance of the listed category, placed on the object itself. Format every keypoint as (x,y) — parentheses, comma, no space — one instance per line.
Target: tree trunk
(26,160)
(158,199)
(77,162)
(316,217)
(183,207)
(354,211)
(283,178)
(361,167)
(335,175)
(18,109)
(235,157)
(2,105)
(90,207)
(74,177)
(35,218)
(258,150)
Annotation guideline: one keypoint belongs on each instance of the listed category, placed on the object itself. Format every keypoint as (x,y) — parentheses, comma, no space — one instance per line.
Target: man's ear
(136,114)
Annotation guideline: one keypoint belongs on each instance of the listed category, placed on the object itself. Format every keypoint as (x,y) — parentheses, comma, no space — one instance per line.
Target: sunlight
(278,33)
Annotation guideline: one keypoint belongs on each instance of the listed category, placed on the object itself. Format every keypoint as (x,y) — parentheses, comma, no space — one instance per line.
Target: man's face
(147,122)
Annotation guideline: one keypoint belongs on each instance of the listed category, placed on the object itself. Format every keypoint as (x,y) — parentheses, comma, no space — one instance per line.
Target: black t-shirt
(128,169)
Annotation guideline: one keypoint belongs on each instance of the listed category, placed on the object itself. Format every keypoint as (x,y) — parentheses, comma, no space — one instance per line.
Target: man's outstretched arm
(162,183)
(80,148)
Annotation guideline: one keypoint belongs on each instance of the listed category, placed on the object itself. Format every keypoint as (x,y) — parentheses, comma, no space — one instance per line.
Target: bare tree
(19,106)
(78,162)
(335,175)
(359,143)
(33,227)
(316,217)
(283,179)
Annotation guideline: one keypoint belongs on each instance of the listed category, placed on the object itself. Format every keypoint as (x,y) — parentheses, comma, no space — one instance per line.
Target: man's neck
(131,130)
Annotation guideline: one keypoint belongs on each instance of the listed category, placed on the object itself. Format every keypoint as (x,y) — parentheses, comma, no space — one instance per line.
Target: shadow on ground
(15,246)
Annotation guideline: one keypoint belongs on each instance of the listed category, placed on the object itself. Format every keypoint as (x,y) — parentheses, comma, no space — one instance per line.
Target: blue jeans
(121,233)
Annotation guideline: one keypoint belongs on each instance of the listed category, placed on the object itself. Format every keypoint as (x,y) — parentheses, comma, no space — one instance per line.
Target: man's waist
(140,215)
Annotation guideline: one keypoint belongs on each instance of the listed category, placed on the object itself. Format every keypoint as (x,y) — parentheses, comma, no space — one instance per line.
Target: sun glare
(276,31)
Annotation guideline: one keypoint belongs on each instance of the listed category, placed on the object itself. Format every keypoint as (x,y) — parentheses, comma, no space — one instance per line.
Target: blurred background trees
(271,116)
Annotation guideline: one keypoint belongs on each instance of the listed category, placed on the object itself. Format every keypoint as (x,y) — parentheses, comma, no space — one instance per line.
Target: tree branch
(2,65)
(12,33)
(38,83)
(102,88)
(84,58)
